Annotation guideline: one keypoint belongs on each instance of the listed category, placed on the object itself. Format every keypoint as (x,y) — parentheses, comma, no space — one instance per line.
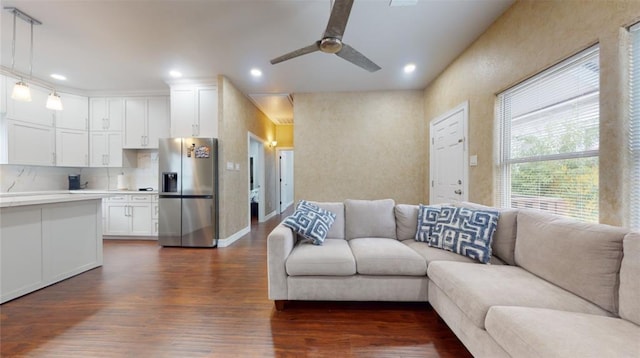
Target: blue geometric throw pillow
(465,231)
(310,221)
(427,218)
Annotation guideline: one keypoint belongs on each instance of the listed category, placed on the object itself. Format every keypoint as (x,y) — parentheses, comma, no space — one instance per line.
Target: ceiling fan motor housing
(330,45)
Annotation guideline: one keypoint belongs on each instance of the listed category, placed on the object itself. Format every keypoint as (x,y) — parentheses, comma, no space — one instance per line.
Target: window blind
(634,127)
(549,139)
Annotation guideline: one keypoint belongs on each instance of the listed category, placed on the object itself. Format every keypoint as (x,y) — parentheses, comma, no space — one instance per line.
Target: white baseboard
(233,238)
(286,206)
(269,216)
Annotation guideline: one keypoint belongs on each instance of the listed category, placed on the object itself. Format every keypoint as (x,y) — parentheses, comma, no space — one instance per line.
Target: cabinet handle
(193,130)
(197,129)
(142,141)
(53,158)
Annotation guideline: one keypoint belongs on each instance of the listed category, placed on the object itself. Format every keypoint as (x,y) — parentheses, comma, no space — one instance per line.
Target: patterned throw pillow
(427,218)
(310,221)
(465,231)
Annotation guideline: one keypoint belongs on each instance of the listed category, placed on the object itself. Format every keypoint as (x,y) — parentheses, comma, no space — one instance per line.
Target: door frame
(279,177)
(464,108)
(259,165)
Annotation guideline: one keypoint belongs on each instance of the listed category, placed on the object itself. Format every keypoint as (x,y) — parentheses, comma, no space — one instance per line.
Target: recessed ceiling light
(256,72)
(409,68)
(58,77)
(175,74)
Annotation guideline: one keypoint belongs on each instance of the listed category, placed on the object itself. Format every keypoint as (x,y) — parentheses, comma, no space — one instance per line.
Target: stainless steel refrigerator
(188,188)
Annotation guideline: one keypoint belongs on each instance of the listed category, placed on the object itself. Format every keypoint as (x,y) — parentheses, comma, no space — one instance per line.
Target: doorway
(285,188)
(448,168)
(256,179)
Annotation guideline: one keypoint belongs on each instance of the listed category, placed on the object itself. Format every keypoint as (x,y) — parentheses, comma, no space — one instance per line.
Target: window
(634,127)
(549,139)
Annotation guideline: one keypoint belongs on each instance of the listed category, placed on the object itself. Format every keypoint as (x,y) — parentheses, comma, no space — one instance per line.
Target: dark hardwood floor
(148,301)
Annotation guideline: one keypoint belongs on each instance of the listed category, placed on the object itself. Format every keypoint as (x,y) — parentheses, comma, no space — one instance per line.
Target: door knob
(459,192)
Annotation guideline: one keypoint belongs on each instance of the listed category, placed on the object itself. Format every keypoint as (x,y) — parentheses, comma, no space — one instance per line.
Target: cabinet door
(157,121)
(114,149)
(183,112)
(98,114)
(140,219)
(72,148)
(207,112)
(135,113)
(98,149)
(3,94)
(30,144)
(115,113)
(35,111)
(118,219)
(75,114)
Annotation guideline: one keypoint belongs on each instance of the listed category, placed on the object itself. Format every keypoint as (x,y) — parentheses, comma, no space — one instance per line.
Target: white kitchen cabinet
(105,149)
(28,144)
(35,111)
(72,148)
(3,94)
(129,215)
(146,120)
(106,113)
(75,114)
(194,111)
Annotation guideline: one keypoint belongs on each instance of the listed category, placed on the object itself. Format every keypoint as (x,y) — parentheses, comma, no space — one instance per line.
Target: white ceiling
(119,45)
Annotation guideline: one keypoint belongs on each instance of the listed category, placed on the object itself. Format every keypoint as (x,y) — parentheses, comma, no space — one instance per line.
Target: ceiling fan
(331,41)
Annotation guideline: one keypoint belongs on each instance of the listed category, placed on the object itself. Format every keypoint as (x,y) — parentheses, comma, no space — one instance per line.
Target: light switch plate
(229,165)
(473,160)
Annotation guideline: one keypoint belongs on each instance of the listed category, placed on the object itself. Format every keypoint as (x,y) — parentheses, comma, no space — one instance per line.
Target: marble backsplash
(18,178)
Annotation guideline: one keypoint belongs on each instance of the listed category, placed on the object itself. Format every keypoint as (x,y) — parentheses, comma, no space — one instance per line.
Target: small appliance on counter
(74,182)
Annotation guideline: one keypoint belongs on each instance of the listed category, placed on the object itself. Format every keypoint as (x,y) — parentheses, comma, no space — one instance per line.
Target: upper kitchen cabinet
(194,111)
(146,120)
(32,112)
(75,114)
(25,143)
(72,147)
(106,113)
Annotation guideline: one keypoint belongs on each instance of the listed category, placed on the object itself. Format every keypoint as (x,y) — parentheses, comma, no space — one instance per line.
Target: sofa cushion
(503,244)
(310,221)
(475,288)
(379,256)
(337,229)
(369,218)
(427,219)
(630,279)
(431,254)
(580,257)
(406,219)
(537,332)
(333,258)
(465,231)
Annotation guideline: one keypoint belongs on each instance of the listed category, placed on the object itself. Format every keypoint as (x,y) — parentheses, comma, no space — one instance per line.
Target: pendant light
(54,102)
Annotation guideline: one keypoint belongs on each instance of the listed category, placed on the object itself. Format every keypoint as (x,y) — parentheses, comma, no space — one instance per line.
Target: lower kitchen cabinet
(131,215)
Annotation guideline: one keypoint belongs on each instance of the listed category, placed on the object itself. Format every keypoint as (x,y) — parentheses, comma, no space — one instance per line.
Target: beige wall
(360,145)
(237,117)
(284,135)
(527,38)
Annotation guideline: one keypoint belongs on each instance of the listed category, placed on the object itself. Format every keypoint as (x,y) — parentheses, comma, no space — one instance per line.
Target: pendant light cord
(13,44)
(31,53)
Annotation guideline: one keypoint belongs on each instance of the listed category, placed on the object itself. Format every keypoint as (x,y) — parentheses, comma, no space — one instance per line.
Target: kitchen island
(46,238)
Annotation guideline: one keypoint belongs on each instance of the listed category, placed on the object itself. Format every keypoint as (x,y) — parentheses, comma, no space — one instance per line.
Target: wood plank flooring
(148,301)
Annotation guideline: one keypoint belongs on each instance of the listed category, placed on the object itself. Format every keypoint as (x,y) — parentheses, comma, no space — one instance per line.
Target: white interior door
(448,156)
(285,177)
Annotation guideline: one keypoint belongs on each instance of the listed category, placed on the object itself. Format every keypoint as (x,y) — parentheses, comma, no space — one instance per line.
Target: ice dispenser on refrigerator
(188,205)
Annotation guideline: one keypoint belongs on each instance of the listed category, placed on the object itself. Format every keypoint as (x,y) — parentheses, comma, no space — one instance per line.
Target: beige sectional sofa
(554,287)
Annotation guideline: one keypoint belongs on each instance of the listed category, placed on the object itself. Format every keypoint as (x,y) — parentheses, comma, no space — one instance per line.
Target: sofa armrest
(280,242)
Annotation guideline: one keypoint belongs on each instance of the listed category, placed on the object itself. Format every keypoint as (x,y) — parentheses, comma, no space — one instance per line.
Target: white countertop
(48,198)
(59,196)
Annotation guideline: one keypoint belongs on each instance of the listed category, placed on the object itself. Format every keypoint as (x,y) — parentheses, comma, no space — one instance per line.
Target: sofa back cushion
(580,257)
(406,221)
(504,239)
(630,279)
(337,229)
(369,218)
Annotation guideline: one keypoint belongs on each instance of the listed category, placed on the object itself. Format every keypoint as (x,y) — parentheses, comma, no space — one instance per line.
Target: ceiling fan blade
(299,52)
(338,19)
(350,54)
